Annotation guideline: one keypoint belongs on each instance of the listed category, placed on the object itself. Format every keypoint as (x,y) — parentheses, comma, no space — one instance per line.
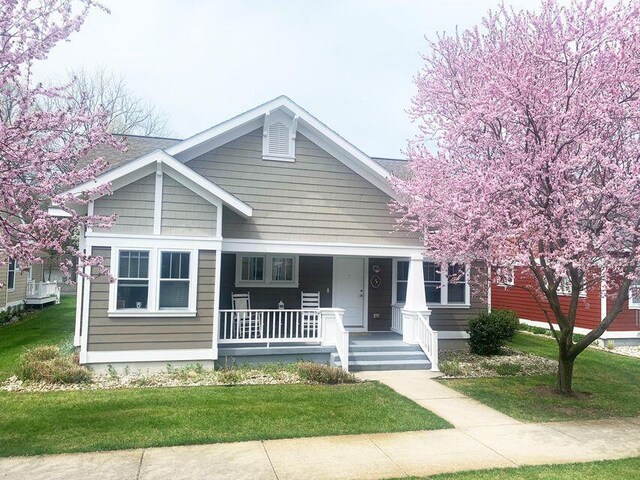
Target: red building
(592,308)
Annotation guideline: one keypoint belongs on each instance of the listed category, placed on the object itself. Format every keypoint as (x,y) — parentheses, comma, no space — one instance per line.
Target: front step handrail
(427,339)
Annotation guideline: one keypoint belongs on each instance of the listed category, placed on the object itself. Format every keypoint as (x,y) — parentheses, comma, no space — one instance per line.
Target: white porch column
(416,300)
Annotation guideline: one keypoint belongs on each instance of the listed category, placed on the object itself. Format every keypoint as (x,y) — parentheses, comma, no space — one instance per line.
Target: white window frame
(509,281)
(444,283)
(191,304)
(12,288)
(634,303)
(267,282)
(564,289)
(153,302)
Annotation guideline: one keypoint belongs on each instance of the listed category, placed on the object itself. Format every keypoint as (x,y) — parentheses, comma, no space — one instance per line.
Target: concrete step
(384,347)
(382,356)
(370,365)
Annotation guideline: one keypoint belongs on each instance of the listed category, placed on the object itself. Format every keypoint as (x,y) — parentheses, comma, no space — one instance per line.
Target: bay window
(442,285)
(277,270)
(153,282)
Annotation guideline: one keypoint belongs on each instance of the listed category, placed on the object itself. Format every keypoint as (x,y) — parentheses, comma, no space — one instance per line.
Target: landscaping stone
(461,364)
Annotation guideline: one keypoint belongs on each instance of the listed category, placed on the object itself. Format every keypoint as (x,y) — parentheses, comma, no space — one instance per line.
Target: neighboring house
(25,287)
(513,293)
(219,236)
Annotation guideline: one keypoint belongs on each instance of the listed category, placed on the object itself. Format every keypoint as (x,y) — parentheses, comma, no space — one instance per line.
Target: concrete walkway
(483,438)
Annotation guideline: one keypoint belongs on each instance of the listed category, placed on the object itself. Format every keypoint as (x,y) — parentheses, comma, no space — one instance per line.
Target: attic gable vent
(278,139)
(279,136)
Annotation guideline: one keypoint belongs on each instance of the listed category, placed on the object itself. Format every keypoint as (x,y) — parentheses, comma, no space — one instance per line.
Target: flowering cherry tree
(39,149)
(535,119)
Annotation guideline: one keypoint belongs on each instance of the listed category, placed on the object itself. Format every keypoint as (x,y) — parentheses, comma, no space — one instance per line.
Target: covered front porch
(339,309)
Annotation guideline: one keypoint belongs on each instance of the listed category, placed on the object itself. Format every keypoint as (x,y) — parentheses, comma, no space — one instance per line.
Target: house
(25,287)
(266,237)
(512,293)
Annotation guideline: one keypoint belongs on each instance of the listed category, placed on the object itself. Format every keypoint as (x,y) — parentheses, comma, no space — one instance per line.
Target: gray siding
(134,205)
(315,198)
(457,319)
(113,334)
(185,212)
(3,279)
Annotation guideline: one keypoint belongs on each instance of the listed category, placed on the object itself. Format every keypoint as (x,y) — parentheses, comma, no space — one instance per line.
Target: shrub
(509,369)
(319,373)
(610,345)
(451,368)
(46,363)
(489,331)
(229,375)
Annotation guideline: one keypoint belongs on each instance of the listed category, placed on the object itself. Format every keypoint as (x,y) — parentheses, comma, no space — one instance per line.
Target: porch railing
(337,334)
(396,318)
(427,338)
(270,326)
(40,290)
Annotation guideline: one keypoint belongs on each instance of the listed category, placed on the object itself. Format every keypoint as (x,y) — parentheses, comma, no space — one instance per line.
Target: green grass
(51,325)
(83,421)
(80,421)
(613,382)
(608,470)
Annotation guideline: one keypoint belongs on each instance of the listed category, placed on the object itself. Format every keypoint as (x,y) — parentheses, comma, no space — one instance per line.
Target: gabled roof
(143,166)
(307,125)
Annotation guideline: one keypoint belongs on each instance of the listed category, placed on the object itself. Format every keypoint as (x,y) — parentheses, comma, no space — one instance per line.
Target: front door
(348,289)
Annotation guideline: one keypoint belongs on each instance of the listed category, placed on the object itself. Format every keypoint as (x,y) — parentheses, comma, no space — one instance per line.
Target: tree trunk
(565,372)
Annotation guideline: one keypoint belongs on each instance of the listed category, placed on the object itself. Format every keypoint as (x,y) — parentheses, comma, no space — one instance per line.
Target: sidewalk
(483,438)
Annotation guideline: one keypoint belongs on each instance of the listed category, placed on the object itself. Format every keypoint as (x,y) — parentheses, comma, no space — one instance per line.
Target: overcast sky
(349,63)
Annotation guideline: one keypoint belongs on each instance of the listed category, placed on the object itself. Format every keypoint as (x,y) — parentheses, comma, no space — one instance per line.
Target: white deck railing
(341,335)
(427,339)
(396,318)
(40,290)
(270,326)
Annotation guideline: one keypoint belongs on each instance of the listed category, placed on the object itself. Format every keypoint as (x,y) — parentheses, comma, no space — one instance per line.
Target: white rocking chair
(311,302)
(246,324)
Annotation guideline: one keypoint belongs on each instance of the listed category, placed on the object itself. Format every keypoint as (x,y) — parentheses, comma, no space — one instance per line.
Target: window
(266,270)
(174,280)
(634,295)
(133,279)
(252,269)
(11,274)
(402,279)
(282,269)
(438,288)
(506,277)
(432,282)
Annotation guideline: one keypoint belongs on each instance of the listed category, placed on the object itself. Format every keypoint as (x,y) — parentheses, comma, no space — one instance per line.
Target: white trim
(134,313)
(131,171)
(57,212)
(308,125)
(242,245)
(84,336)
(216,298)
(90,212)
(12,304)
(151,355)
(603,295)
(583,331)
(291,124)
(267,282)
(145,241)
(157,203)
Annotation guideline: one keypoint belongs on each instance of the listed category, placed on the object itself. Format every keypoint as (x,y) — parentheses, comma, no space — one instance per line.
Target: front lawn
(51,325)
(612,382)
(89,420)
(609,470)
(84,421)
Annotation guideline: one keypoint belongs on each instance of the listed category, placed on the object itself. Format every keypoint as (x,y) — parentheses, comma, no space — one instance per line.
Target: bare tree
(105,90)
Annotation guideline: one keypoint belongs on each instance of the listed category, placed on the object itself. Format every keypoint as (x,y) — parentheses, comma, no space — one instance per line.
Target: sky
(349,63)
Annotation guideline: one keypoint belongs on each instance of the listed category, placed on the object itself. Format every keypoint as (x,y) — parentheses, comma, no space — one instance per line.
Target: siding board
(114,334)
(185,212)
(315,198)
(133,204)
